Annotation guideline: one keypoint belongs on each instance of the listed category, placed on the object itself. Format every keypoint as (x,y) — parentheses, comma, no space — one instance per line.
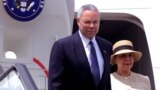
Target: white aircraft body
(27,39)
(30,42)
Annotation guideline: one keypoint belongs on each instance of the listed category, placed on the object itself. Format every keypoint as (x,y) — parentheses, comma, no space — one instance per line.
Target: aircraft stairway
(17,77)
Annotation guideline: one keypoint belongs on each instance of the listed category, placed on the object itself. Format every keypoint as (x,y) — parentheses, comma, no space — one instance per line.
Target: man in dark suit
(70,61)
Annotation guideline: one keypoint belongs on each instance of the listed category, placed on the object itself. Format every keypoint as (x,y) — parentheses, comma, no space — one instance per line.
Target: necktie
(94,64)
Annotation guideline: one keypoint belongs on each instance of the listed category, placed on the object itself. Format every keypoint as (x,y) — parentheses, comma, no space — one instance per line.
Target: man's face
(88,23)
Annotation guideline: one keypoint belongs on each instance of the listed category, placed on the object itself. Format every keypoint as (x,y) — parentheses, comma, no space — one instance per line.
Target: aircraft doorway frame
(118,26)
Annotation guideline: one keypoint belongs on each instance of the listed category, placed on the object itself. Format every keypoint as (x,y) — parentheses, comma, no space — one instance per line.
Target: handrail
(17,76)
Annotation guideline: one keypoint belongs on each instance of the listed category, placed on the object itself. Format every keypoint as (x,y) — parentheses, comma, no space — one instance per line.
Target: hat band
(122,47)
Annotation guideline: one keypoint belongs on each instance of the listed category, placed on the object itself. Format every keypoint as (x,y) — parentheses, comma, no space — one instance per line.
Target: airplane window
(10,55)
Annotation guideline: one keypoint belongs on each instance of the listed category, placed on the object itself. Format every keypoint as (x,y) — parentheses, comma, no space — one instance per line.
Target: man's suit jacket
(69,68)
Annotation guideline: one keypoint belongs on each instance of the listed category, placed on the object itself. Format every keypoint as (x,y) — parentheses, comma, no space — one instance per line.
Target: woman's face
(124,61)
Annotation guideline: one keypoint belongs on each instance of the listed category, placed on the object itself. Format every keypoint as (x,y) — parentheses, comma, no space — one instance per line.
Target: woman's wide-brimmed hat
(122,47)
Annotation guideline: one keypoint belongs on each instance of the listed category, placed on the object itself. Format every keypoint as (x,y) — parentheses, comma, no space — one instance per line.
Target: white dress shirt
(87,48)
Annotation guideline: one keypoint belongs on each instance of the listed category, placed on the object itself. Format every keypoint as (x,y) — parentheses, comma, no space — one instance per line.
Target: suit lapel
(105,56)
(103,51)
(81,54)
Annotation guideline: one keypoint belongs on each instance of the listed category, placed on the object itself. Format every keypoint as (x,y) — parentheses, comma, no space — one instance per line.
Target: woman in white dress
(124,57)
